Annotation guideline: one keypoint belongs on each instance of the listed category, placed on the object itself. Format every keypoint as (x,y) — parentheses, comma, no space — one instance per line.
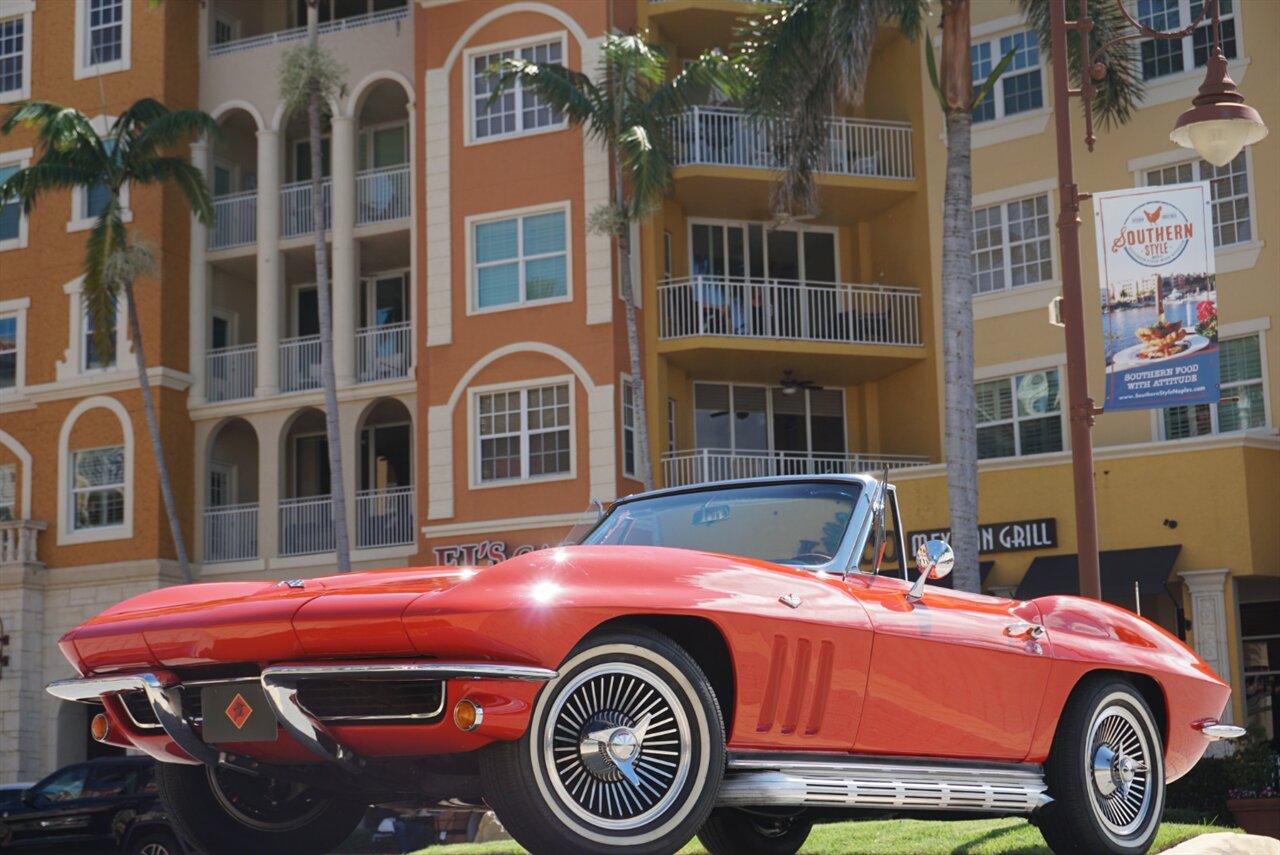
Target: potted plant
(1254,797)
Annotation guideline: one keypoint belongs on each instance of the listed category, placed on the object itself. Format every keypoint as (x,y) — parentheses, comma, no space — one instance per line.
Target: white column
(198,281)
(270,263)
(270,475)
(1209,620)
(439,248)
(345,273)
(601,447)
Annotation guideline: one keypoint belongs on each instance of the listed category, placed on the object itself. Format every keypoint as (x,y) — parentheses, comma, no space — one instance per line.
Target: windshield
(786,523)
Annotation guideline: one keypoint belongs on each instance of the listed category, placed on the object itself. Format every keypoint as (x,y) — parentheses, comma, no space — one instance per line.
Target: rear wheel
(739,832)
(624,752)
(1105,773)
(222,810)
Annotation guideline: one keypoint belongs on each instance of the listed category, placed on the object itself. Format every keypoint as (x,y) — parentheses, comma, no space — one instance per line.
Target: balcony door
(384,300)
(384,457)
(750,250)
(745,431)
(310,466)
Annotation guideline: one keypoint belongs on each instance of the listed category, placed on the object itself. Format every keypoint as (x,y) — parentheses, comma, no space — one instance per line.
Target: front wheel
(739,832)
(221,810)
(1105,773)
(624,752)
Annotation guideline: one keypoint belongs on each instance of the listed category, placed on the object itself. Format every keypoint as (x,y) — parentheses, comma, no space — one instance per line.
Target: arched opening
(385,492)
(233,180)
(231,498)
(306,504)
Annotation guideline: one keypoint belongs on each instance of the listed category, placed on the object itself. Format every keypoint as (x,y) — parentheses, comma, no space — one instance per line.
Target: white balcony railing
(19,541)
(299,33)
(382,353)
(235,220)
(786,309)
(306,525)
(295,207)
(231,373)
(382,195)
(726,136)
(384,517)
(702,465)
(300,363)
(231,533)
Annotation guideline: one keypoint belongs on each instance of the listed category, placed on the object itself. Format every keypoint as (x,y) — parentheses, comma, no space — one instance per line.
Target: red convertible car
(736,661)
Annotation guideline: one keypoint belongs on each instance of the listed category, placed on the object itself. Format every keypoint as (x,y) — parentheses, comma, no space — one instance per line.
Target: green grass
(900,837)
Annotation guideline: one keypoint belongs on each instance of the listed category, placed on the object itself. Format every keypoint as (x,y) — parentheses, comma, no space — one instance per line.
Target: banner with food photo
(1159,296)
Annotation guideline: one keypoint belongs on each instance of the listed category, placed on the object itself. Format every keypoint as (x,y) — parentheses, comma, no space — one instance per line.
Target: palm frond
(648,164)
(57,128)
(1121,89)
(137,116)
(635,58)
(711,71)
(158,170)
(27,185)
(569,92)
(170,129)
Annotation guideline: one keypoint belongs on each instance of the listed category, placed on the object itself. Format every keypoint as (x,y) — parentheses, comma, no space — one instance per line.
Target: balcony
(704,465)
(382,353)
(727,136)
(297,34)
(306,525)
(231,373)
(19,541)
(231,533)
(300,364)
(385,517)
(296,216)
(235,220)
(790,310)
(382,195)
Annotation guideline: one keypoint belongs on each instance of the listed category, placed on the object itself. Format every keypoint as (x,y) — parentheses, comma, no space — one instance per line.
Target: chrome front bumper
(280,685)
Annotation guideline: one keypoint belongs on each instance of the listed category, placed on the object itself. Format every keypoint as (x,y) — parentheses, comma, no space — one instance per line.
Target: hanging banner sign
(1159,296)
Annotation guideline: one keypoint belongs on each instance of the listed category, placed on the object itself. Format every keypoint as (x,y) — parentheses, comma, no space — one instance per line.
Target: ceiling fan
(791,385)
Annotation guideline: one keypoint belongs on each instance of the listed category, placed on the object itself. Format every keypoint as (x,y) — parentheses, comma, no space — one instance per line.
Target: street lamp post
(1218,125)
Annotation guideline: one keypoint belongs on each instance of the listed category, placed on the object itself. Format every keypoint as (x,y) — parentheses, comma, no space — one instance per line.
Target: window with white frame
(8,491)
(97,488)
(105,34)
(1244,395)
(1012,245)
(1021,88)
(13,42)
(1164,57)
(1228,193)
(1019,415)
(91,356)
(628,429)
(9,345)
(515,111)
(524,434)
(11,217)
(520,260)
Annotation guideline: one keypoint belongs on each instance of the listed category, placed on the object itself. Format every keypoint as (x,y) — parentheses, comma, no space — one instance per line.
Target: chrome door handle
(1024,630)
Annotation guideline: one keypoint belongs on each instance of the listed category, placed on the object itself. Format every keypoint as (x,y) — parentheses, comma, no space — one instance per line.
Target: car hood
(255,621)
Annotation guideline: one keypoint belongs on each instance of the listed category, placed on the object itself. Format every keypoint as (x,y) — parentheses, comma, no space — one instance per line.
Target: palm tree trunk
(961,438)
(153,430)
(644,469)
(329,380)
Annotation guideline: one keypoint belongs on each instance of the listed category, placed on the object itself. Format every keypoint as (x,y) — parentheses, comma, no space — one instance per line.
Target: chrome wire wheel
(616,746)
(1119,758)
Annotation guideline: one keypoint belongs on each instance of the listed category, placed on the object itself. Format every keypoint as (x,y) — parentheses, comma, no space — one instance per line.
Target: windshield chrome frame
(855,533)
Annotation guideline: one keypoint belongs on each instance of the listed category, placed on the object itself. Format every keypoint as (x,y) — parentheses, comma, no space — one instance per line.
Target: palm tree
(73,156)
(630,108)
(814,55)
(309,78)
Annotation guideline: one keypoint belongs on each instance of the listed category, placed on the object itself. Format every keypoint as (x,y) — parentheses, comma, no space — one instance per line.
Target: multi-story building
(480,347)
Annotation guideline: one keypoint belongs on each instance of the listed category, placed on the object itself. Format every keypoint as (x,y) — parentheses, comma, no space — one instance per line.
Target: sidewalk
(1225,843)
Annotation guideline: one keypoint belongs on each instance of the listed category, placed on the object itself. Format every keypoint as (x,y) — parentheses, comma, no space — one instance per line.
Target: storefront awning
(1120,568)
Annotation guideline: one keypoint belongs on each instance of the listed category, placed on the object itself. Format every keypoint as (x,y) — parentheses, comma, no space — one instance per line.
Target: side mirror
(935,560)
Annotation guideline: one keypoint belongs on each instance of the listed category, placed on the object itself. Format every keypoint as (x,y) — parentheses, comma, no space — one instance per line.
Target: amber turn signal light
(468,715)
(100,727)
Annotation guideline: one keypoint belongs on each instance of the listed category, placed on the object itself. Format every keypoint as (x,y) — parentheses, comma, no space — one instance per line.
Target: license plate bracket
(236,712)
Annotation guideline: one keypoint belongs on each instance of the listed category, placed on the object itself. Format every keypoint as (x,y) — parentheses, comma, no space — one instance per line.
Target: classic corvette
(736,661)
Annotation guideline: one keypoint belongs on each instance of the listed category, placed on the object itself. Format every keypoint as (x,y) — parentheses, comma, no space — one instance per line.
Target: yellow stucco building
(814,346)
